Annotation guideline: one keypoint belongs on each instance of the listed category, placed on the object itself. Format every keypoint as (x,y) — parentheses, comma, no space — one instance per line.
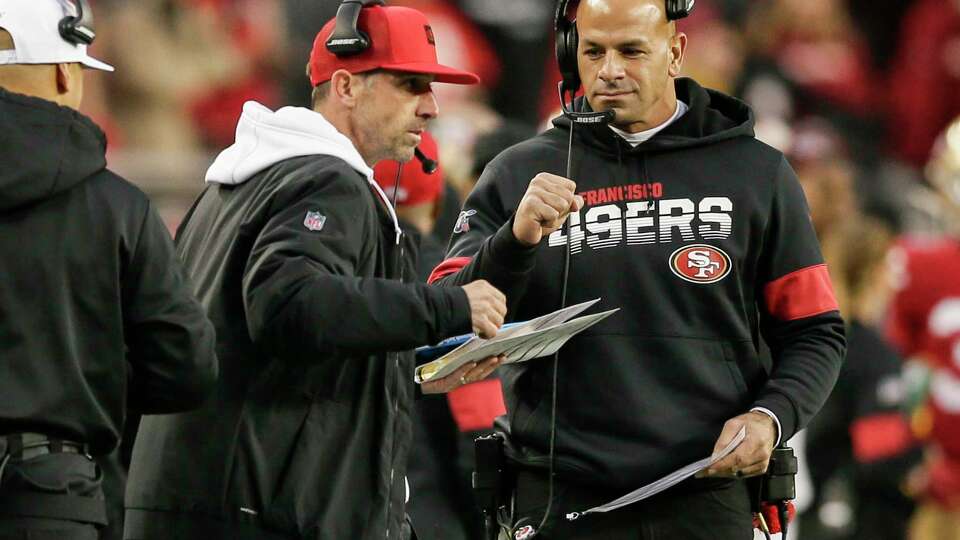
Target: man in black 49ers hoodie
(701,235)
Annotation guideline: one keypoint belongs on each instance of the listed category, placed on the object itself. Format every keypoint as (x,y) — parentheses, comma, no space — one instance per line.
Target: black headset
(78,29)
(567,39)
(347,39)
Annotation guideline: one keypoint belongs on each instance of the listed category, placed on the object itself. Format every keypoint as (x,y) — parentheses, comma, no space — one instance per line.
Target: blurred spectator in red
(715,56)
(924,324)
(819,156)
(860,447)
(415,186)
(175,56)
(924,89)
(815,44)
(166,55)
(255,30)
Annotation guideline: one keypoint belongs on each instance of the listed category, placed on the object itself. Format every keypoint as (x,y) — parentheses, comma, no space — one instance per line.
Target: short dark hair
(319,93)
(322,90)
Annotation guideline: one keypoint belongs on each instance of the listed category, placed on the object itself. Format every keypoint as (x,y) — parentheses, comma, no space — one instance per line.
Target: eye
(416,85)
(593,52)
(632,52)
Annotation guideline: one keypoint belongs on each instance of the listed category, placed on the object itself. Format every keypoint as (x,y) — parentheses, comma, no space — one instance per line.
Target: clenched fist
(488,307)
(544,207)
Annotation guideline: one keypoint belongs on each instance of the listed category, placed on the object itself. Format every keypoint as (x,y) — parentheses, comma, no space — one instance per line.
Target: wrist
(518,235)
(773,421)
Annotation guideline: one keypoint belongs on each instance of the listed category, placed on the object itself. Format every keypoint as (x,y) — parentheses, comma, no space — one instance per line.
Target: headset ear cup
(679,9)
(567,42)
(66,27)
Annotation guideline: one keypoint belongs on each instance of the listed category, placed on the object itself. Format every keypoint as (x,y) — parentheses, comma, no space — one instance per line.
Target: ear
(678,46)
(346,87)
(65,80)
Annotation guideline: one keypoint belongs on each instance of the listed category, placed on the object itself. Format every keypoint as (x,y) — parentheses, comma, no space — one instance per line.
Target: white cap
(35,28)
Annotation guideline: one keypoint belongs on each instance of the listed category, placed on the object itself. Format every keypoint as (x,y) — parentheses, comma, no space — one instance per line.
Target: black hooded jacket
(93,305)
(298,263)
(701,236)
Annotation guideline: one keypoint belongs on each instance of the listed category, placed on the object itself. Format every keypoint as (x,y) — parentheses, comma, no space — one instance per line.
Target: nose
(428,108)
(612,68)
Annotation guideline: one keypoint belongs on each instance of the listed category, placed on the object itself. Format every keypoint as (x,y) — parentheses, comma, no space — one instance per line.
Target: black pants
(694,510)
(60,473)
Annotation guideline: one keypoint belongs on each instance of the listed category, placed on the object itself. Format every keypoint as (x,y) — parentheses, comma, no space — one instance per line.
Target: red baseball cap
(416,186)
(400,40)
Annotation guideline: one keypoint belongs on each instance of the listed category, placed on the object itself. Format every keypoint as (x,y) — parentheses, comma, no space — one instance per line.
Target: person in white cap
(95,315)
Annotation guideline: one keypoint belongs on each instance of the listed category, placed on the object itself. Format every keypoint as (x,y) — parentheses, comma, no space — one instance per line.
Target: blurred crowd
(859,95)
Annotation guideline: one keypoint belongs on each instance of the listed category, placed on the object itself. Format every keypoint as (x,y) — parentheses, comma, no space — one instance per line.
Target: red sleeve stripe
(804,293)
(475,406)
(447,267)
(880,436)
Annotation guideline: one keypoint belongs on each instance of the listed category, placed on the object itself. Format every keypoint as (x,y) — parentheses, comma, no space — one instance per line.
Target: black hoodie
(701,236)
(93,306)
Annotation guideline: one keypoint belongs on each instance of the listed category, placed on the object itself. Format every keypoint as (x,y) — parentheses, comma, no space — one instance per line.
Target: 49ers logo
(700,263)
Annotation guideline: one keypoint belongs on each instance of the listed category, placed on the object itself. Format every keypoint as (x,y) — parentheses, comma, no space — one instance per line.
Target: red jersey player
(925,325)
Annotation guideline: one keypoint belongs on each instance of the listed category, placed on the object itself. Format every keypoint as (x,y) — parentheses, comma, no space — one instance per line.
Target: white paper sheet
(533,339)
(666,482)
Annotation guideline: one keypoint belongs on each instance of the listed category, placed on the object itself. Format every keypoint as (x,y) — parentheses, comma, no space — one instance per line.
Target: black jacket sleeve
(799,315)
(301,287)
(483,245)
(170,342)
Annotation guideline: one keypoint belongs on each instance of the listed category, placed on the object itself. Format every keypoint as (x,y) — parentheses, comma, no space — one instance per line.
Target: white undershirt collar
(643,136)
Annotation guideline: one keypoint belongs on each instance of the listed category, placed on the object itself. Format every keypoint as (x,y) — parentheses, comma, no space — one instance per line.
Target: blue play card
(432,352)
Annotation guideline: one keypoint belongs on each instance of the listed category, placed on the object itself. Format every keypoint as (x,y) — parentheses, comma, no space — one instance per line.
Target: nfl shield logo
(314,221)
(523,533)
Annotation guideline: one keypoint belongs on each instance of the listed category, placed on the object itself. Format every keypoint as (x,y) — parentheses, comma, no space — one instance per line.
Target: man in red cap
(295,253)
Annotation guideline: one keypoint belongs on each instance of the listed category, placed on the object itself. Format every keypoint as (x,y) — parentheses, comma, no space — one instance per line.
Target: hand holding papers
(668,481)
(520,342)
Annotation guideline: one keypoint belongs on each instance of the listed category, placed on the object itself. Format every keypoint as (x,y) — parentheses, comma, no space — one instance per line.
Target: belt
(24,446)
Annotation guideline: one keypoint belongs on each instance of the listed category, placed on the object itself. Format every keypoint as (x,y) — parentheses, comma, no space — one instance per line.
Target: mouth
(611,95)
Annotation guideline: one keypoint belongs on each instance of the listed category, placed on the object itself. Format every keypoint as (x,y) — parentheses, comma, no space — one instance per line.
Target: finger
(549,179)
(475,375)
(552,225)
(484,370)
(545,214)
(462,371)
(562,191)
(557,202)
(753,470)
(730,430)
(577,204)
(727,465)
(487,329)
(500,298)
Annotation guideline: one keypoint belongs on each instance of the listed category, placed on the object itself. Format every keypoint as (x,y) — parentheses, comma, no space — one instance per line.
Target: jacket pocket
(743,362)
(274,417)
